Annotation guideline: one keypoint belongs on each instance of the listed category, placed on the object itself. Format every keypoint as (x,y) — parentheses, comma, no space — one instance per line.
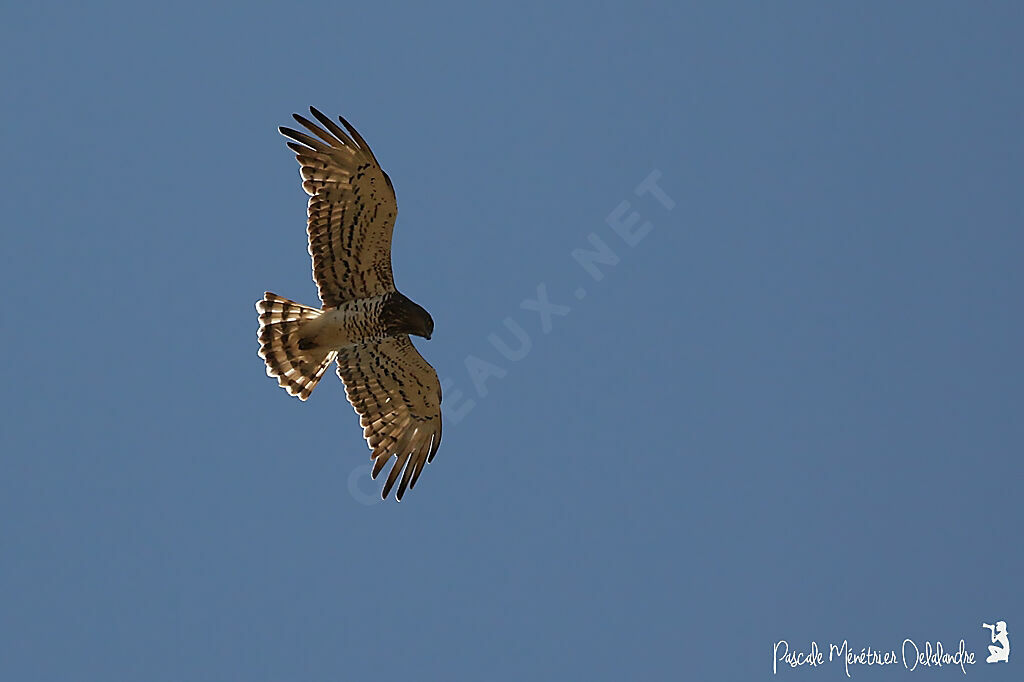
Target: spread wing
(398,398)
(352,209)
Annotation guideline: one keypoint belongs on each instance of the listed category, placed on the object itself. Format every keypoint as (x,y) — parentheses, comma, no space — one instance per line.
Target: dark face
(423,323)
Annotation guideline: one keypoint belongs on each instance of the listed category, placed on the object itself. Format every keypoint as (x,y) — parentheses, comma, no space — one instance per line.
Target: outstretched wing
(352,209)
(398,398)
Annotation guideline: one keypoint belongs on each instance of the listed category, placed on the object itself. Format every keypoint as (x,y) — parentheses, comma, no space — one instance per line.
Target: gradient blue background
(792,411)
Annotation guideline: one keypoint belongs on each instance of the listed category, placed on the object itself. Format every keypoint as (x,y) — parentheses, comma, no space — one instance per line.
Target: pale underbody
(342,326)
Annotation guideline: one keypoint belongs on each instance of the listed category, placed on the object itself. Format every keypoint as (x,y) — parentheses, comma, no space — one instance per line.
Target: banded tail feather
(296,369)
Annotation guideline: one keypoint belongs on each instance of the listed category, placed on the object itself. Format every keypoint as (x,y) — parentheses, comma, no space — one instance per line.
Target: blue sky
(790,410)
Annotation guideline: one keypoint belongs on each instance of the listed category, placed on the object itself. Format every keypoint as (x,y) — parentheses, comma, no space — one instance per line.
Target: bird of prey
(365,322)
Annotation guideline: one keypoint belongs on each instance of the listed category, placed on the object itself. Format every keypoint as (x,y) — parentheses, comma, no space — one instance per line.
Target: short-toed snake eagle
(364,323)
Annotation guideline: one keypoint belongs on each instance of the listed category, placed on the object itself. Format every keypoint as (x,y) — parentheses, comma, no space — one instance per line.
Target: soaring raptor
(365,322)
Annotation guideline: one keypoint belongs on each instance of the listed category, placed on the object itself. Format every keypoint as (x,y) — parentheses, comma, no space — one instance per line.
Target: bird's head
(403,316)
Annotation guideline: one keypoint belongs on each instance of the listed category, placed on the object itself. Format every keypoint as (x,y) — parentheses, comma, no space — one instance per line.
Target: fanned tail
(295,369)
